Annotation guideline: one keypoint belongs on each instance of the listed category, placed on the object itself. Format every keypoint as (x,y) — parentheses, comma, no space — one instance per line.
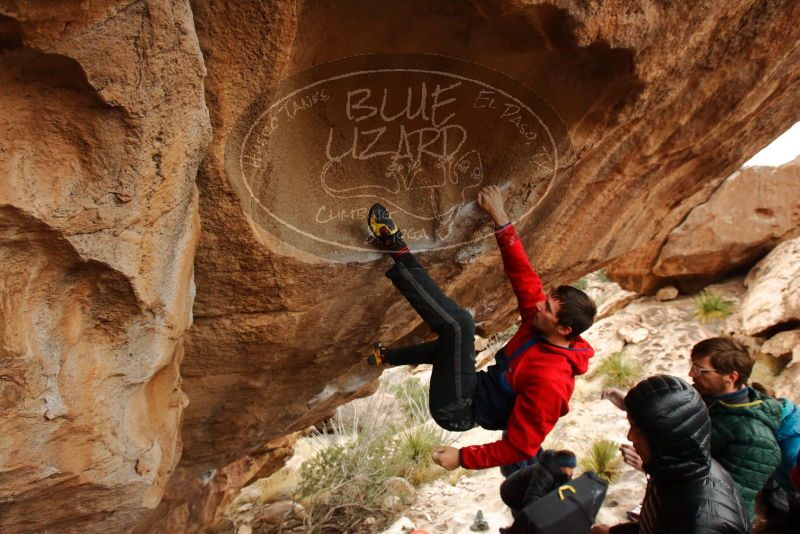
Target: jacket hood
(675,421)
(577,354)
(548,463)
(760,407)
(790,421)
(548,459)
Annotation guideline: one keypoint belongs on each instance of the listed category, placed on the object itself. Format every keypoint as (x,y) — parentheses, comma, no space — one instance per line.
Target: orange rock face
(103,124)
(603,123)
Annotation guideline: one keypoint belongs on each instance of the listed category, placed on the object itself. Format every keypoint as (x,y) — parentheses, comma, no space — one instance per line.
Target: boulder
(633,334)
(123,222)
(753,210)
(103,126)
(773,290)
(784,347)
(615,302)
(783,344)
(667,293)
(786,383)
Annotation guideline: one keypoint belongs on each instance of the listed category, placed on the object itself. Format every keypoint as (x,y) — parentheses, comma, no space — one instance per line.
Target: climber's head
(567,312)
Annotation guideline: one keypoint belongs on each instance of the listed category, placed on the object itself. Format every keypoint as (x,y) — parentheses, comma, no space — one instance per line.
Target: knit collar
(740,396)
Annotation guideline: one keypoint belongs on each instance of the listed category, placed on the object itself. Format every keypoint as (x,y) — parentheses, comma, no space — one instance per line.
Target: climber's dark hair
(576,311)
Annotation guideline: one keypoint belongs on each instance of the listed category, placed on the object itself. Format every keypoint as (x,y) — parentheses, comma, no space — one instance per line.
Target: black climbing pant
(452,355)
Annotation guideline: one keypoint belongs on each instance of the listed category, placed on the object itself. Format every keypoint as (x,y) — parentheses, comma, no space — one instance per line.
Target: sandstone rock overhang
(658,100)
(102,127)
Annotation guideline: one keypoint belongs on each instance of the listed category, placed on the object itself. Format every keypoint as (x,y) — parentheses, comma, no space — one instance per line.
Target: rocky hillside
(750,212)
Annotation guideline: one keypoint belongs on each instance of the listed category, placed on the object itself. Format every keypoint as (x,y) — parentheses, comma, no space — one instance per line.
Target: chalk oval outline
(395,70)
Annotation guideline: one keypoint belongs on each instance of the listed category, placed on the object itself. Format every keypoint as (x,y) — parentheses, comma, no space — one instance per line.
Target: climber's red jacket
(528,388)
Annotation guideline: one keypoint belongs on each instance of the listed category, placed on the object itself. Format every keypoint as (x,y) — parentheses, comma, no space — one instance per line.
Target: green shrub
(581,283)
(413,396)
(505,335)
(602,275)
(709,307)
(603,459)
(345,484)
(618,371)
(413,455)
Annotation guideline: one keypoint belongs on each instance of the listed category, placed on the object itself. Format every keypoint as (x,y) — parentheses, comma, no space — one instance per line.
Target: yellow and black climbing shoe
(383,228)
(376,357)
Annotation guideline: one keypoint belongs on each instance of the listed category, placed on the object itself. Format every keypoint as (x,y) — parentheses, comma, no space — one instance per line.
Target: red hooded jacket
(542,376)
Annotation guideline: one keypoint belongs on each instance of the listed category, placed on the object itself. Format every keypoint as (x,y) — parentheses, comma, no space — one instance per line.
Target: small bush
(618,371)
(345,484)
(413,396)
(581,283)
(709,307)
(602,275)
(505,335)
(413,455)
(604,460)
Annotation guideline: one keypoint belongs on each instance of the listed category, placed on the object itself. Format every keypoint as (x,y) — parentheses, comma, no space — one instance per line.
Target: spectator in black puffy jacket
(523,487)
(687,492)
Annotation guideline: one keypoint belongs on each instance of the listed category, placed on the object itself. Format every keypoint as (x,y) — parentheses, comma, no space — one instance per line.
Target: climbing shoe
(376,357)
(383,228)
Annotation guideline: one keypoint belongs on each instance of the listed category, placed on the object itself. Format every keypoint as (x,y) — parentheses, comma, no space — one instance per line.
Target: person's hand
(600,529)
(631,457)
(616,396)
(490,200)
(447,457)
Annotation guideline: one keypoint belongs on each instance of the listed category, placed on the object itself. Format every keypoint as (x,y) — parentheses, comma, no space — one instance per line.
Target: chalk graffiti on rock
(416,138)
(424,158)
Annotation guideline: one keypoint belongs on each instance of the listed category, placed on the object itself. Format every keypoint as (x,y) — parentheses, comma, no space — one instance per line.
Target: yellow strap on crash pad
(564,488)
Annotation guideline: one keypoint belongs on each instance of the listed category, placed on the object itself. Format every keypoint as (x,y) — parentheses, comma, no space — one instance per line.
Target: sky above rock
(782,150)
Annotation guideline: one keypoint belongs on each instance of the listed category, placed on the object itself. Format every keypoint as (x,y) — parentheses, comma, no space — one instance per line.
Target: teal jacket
(743,441)
(788,437)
